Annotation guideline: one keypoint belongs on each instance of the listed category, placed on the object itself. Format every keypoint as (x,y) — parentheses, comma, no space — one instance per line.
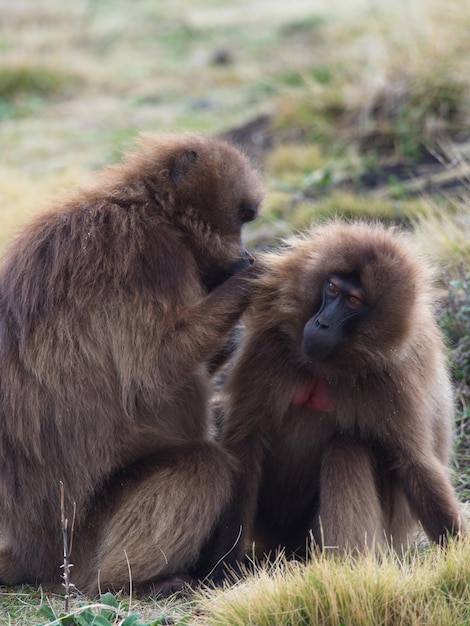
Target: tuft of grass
(26,86)
(409,109)
(292,162)
(296,210)
(386,83)
(316,112)
(442,228)
(455,322)
(429,586)
(24,78)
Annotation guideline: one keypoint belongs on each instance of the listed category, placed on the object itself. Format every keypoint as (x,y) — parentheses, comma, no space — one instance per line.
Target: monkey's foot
(166,586)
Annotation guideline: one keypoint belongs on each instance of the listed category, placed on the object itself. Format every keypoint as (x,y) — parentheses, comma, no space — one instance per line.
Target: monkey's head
(349,294)
(209,190)
(370,291)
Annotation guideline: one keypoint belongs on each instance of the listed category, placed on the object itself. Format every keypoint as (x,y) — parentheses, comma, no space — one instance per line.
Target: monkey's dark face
(343,302)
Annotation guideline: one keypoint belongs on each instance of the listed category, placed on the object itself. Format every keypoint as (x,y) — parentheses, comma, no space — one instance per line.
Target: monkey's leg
(164,509)
(350,510)
(225,549)
(399,520)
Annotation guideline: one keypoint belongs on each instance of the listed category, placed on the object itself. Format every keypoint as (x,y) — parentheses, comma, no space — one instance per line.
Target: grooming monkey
(338,406)
(111,306)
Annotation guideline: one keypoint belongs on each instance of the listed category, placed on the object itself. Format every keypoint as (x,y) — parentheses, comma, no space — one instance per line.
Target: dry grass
(429,586)
(445,234)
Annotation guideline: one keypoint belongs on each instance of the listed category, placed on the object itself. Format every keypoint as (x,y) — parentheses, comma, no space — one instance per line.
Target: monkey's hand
(256,274)
(251,278)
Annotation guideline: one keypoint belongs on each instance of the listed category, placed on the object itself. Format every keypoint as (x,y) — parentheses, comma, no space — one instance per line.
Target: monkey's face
(362,309)
(343,302)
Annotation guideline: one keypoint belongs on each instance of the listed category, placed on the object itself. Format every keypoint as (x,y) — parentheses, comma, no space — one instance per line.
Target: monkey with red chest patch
(112,305)
(338,405)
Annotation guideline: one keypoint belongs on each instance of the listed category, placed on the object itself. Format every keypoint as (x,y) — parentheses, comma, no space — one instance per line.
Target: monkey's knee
(157,529)
(400,524)
(179,584)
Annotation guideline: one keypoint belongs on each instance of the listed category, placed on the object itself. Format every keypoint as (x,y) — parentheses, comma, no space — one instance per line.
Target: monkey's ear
(183,164)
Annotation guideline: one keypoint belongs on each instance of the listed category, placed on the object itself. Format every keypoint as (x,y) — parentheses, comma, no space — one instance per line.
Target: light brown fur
(111,305)
(363,475)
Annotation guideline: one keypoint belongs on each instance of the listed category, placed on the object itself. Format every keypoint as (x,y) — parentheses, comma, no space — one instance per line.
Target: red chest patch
(316,395)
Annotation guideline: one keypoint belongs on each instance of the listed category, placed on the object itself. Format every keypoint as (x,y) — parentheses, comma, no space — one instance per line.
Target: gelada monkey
(111,305)
(339,406)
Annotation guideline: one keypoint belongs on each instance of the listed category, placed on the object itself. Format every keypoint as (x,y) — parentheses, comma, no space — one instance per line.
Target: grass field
(353,108)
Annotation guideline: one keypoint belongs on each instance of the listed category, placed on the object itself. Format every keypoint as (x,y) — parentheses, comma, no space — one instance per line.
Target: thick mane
(394,274)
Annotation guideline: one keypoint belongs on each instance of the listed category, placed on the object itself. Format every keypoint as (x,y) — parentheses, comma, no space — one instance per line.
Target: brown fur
(111,306)
(365,474)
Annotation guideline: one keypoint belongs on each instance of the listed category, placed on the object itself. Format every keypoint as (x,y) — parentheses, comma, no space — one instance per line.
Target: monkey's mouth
(316,395)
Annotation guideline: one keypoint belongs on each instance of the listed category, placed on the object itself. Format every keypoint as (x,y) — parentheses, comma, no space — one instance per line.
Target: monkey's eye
(355,302)
(248,211)
(333,290)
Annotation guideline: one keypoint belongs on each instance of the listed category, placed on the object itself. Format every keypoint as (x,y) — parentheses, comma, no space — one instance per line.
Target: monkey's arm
(227,350)
(203,327)
(430,493)
(410,444)
(189,336)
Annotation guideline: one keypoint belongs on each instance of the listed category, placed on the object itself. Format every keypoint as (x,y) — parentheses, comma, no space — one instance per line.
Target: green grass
(25,87)
(30,606)
(22,79)
(425,586)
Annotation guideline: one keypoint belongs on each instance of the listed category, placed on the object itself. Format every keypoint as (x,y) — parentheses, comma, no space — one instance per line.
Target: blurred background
(331,98)
(351,107)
